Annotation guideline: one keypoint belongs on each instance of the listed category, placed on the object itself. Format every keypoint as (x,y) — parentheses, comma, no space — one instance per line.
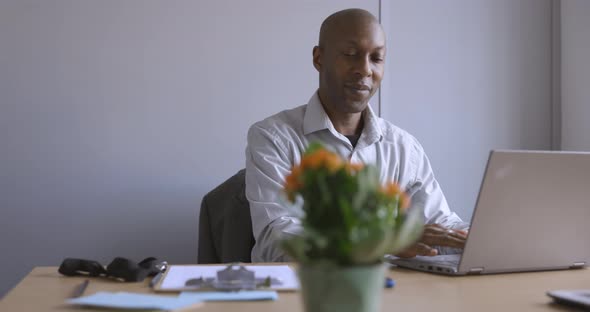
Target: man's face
(351,66)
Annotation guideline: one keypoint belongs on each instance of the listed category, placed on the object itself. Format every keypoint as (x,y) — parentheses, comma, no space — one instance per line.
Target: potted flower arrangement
(350,222)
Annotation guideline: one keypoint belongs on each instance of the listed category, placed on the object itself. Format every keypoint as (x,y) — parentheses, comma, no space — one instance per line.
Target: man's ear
(316,58)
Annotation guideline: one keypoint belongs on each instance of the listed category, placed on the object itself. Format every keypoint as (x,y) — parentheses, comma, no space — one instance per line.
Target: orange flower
(322,158)
(293,183)
(391,189)
(353,167)
(312,161)
(404,201)
(333,162)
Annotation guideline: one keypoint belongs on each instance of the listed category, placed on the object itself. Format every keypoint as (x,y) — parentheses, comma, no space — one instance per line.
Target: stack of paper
(255,295)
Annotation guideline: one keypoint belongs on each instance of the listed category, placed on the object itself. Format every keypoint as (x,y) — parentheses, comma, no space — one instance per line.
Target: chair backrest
(225,227)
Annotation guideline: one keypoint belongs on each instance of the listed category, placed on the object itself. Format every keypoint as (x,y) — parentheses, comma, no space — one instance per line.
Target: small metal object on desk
(80,288)
(162,266)
(233,278)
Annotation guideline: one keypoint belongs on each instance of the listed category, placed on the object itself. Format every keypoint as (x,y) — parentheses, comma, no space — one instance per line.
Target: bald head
(345,19)
(350,59)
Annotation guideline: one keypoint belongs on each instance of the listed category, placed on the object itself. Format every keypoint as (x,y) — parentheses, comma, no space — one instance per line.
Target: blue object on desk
(124,300)
(254,295)
(389,282)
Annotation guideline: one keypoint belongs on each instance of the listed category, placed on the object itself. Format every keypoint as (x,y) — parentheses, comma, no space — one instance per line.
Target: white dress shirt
(276,143)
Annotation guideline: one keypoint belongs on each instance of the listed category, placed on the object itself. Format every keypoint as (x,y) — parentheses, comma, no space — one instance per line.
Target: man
(350,60)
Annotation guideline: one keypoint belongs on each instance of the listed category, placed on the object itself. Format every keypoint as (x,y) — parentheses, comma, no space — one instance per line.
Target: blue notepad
(133,301)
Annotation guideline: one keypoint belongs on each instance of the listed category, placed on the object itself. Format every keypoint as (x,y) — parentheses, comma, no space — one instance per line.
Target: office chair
(225,227)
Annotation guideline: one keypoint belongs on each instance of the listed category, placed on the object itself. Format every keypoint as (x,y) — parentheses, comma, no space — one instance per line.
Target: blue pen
(389,282)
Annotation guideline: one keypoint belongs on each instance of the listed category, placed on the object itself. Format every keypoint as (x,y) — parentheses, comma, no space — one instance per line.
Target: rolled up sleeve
(427,194)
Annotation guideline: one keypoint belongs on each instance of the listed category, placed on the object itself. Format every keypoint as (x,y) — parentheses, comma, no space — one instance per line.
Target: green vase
(342,289)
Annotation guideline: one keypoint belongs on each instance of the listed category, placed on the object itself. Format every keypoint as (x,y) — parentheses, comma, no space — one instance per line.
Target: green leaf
(409,232)
(313,147)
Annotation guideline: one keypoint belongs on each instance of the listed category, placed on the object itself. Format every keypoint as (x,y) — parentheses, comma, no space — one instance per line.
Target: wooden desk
(45,290)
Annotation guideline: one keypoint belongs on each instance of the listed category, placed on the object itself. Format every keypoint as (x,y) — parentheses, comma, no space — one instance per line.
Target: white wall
(575,72)
(467,76)
(116,117)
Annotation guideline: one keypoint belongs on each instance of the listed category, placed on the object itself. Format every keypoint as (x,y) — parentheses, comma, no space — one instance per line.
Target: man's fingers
(446,240)
(437,229)
(444,234)
(462,232)
(418,249)
(436,235)
(425,250)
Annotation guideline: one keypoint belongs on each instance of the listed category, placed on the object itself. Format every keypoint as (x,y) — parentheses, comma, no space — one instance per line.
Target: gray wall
(575,83)
(116,117)
(467,76)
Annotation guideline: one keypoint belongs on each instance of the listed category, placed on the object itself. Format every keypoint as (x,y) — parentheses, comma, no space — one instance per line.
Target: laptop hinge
(578,265)
(475,270)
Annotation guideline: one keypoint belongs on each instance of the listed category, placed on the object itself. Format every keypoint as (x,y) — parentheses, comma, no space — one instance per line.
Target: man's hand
(435,235)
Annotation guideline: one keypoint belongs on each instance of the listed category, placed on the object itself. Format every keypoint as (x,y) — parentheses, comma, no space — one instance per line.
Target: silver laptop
(532,214)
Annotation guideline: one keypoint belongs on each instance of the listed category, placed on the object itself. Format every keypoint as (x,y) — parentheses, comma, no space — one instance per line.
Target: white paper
(177,276)
(244,295)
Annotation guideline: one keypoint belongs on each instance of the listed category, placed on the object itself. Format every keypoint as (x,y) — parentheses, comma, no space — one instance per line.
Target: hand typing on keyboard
(435,235)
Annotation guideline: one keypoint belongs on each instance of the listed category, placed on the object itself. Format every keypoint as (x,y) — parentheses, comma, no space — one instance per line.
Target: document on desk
(177,276)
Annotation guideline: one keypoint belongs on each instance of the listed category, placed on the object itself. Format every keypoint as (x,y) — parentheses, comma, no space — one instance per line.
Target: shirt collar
(317,119)
(372,129)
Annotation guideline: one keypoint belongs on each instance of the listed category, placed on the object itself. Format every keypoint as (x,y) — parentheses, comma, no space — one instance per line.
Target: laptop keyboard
(445,260)
(445,264)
